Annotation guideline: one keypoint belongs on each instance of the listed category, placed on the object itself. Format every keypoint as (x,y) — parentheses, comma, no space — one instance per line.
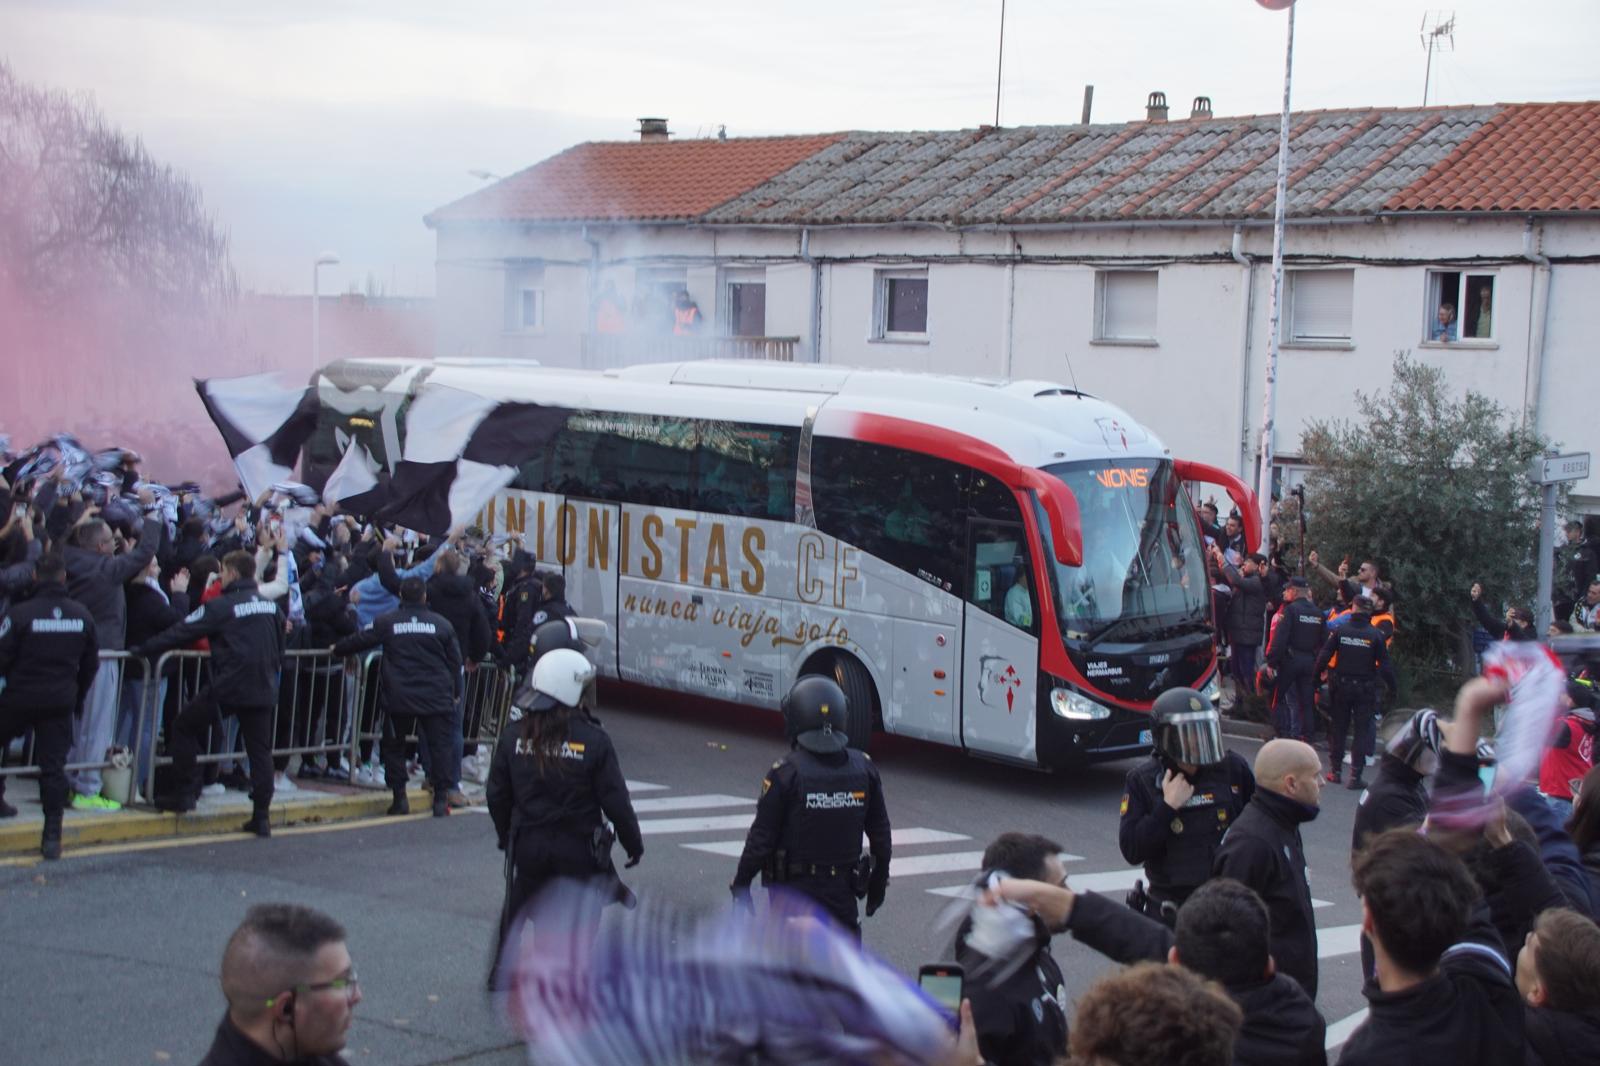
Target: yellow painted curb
(121,827)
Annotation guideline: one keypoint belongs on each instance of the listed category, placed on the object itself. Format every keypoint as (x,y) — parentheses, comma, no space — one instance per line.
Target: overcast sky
(338,124)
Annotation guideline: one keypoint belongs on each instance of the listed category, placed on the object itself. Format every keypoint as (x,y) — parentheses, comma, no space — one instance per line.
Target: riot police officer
(1298,633)
(1358,656)
(520,601)
(48,658)
(553,786)
(1177,805)
(815,805)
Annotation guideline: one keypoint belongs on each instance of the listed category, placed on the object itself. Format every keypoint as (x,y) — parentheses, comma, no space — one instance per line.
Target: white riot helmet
(559,678)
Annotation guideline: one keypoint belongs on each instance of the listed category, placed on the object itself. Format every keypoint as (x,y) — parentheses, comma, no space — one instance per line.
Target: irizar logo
(833,801)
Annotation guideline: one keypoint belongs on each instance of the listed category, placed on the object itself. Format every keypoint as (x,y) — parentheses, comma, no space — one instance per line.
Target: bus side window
(746,470)
(1001,578)
(904,507)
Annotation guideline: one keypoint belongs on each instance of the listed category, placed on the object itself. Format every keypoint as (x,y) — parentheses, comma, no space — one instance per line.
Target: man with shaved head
(1264,851)
(291,990)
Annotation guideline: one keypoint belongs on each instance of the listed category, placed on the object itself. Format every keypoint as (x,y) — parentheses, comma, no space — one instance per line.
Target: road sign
(1553,468)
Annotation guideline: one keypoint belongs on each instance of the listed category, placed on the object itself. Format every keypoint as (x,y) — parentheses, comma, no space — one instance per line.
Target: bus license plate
(1144,736)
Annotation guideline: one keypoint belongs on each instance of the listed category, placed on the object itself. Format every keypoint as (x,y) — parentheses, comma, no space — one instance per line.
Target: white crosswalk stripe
(901,838)
(654,826)
(645,786)
(689,803)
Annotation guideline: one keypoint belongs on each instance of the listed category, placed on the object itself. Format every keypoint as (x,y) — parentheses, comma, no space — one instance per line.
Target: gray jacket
(96,581)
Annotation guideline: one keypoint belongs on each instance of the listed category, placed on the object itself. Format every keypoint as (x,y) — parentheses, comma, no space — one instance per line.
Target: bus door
(589,551)
(1000,643)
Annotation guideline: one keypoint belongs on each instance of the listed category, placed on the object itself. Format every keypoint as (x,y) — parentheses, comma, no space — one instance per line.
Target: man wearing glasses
(291,990)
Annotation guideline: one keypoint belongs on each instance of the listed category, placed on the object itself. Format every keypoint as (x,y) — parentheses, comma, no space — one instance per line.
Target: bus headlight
(1213,689)
(1069,704)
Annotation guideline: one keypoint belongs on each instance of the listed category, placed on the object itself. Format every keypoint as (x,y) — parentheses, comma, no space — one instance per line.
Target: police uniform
(807,832)
(519,604)
(49,657)
(245,631)
(548,812)
(1176,848)
(421,676)
(1297,635)
(1363,660)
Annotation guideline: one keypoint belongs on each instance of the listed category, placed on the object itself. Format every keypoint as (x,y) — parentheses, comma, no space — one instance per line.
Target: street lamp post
(325,259)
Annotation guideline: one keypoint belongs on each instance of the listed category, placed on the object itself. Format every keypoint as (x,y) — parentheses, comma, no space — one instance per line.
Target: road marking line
(730,848)
(949,862)
(654,826)
(1338,940)
(901,838)
(1340,1030)
(689,803)
(221,838)
(645,786)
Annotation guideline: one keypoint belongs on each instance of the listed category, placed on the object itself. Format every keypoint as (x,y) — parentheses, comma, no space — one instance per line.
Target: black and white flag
(357,485)
(460,449)
(263,424)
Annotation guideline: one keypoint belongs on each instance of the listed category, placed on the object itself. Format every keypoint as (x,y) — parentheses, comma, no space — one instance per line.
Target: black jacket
(97,581)
(1362,651)
(1467,1013)
(150,613)
(455,597)
(245,630)
(1177,863)
(48,652)
(1281,1025)
(421,666)
(1562,1038)
(518,604)
(1397,796)
(1023,1019)
(579,781)
(233,1048)
(1264,851)
(15,579)
(1247,608)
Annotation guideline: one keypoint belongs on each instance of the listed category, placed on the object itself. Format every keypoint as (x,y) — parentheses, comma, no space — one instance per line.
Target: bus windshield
(1143,575)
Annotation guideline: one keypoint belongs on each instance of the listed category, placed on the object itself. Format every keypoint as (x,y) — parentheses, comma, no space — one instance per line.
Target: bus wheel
(857,684)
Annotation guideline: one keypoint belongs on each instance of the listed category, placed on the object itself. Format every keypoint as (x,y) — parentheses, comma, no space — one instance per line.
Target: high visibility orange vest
(684,320)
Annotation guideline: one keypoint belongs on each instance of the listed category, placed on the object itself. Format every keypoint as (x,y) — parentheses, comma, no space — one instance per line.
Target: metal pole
(1542,609)
(1000,63)
(1269,399)
(1427,73)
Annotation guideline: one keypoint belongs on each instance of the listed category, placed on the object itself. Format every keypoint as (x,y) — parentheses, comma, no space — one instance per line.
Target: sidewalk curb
(1234,727)
(121,827)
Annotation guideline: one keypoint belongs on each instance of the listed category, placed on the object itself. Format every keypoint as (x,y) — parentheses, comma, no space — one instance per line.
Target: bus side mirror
(1243,497)
(1061,508)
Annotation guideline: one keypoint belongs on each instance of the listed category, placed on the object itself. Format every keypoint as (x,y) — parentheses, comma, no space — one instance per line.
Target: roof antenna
(1070,373)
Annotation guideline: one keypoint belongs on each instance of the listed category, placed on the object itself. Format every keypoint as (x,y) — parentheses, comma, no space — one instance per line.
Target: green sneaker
(80,802)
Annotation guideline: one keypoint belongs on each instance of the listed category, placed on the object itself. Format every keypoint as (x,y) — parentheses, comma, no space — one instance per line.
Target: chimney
(1156,107)
(1201,108)
(1088,102)
(653,129)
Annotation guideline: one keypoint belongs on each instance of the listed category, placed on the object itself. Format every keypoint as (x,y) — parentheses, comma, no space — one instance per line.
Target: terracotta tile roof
(634,180)
(1516,157)
(1528,157)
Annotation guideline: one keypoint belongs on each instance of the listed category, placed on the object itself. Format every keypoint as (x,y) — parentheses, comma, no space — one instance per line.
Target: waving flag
(356,484)
(460,449)
(263,424)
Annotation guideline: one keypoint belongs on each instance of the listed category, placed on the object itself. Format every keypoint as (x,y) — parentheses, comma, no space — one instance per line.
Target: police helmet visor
(1193,738)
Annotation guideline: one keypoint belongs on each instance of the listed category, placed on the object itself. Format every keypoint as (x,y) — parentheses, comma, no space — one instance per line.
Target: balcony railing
(604,350)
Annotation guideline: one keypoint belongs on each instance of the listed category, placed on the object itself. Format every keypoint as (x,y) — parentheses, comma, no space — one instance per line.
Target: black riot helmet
(811,710)
(558,633)
(1186,728)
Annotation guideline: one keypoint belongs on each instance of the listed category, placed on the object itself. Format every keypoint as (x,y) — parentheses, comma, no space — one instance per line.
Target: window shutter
(1128,304)
(1322,305)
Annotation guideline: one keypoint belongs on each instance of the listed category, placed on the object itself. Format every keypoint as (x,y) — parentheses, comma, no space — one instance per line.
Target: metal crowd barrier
(123,665)
(486,696)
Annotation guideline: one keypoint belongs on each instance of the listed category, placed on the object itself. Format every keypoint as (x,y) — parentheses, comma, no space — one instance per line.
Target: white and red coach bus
(1009,567)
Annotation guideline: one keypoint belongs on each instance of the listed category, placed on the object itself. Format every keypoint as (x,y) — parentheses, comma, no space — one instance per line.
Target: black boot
(441,805)
(50,841)
(6,810)
(400,805)
(260,824)
(176,802)
(1355,784)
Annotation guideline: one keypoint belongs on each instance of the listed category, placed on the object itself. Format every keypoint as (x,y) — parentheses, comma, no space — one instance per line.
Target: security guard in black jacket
(1298,633)
(556,791)
(421,677)
(1358,655)
(246,632)
(1179,802)
(49,656)
(815,805)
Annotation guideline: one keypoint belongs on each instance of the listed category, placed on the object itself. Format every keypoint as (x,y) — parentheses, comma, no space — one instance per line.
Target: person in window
(910,522)
(1444,327)
(686,316)
(1485,321)
(1019,601)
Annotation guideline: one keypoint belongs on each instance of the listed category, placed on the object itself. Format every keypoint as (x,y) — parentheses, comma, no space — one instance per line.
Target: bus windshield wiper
(1106,631)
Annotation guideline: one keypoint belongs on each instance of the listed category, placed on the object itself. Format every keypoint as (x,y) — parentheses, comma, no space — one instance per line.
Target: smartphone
(944,983)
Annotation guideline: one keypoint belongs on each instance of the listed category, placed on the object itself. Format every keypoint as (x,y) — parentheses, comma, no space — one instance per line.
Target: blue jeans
(147,697)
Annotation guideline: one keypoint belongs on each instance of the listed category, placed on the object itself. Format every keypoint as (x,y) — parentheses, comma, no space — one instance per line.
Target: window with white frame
(900,305)
(1125,306)
(1320,306)
(1461,307)
(745,301)
(524,305)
